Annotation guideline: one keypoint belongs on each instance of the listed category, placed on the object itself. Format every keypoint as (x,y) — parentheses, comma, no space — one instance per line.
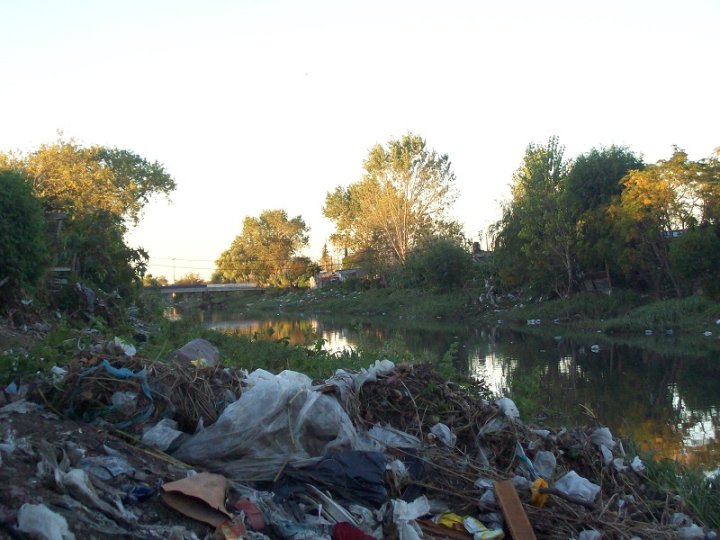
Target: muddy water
(669,404)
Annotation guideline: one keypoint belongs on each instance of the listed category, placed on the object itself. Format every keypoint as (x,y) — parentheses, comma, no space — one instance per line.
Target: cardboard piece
(200,497)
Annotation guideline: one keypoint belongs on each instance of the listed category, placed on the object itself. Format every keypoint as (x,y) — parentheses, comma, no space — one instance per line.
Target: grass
(272,354)
(699,492)
(694,314)
(399,303)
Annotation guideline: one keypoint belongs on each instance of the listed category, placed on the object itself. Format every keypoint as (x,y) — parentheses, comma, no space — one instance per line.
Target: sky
(255,105)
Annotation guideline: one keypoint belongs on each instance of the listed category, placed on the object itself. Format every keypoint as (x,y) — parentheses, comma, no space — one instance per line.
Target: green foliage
(265,251)
(608,212)
(696,258)
(99,188)
(535,238)
(670,195)
(527,392)
(102,259)
(151,281)
(578,308)
(594,177)
(22,234)
(190,279)
(440,264)
(676,314)
(82,180)
(697,491)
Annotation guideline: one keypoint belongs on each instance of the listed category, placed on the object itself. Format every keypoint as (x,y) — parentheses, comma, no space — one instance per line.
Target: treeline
(648,227)
(604,214)
(66,206)
(392,223)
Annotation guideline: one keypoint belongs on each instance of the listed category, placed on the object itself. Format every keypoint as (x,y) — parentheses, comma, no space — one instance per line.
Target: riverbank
(624,316)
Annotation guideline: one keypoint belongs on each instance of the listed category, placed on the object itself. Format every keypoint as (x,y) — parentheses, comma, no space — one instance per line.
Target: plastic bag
(389,436)
(442,432)
(602,436)
(279,420)
(545,463)
(576,486)
(508,406)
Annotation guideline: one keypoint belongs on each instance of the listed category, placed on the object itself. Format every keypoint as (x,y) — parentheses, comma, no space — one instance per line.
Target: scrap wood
(515,516)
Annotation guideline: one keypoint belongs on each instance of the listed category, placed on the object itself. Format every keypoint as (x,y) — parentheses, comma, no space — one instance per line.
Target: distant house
(350,273)
(480,255)
(323,279)
(677,233)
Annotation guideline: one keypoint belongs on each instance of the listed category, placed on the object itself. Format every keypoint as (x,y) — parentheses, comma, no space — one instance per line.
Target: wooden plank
(515,516)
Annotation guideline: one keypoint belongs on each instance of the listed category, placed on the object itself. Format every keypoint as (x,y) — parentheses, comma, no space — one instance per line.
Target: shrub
(22,234)
(696,258)
(440,264)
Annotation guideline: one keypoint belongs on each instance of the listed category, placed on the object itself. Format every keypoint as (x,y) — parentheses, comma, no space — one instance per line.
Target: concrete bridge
(209,288)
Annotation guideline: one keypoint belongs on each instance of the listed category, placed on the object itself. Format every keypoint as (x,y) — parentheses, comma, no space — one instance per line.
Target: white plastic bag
(576,486)
(279,420)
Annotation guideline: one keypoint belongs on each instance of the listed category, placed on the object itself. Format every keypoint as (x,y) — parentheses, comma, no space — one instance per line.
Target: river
(668,404)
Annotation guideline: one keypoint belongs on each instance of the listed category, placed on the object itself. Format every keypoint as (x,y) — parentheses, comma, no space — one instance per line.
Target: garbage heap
(190,449)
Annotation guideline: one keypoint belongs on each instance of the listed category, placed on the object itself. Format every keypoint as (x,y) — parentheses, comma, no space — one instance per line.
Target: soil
(36,432)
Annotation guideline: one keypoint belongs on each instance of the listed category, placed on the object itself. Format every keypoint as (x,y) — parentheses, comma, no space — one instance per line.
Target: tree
(695,256)
(534,239)
(325,260)
(442,264)
(594,177)
(101,190)
(264,249)
(22,234)
(190,279)
(79,180)
(668,196)
(593,181)
(93,245)
(405,190)
(151,281)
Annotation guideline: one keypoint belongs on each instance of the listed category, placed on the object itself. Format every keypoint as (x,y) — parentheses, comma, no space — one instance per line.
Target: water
(666,403)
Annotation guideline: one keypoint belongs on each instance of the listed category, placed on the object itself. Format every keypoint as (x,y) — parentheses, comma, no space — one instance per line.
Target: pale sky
(271,104)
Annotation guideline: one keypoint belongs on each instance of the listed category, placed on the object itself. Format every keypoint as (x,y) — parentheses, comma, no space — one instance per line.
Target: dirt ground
(40,441)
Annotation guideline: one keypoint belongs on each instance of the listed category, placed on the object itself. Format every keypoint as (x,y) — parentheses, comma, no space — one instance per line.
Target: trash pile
(188,449)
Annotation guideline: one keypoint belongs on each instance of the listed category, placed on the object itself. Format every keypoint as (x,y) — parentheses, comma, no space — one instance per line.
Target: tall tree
(101,189)
(326,259)
(592,182)
(264,252)
(81,180)
(671,195)
(534,242)
(405,190)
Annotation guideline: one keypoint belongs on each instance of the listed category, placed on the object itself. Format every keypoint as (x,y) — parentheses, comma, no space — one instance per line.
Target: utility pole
(173,269)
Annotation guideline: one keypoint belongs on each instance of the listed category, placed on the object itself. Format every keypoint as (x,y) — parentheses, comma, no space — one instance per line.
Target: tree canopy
(81,180)
(403,195)
(101,190)
(266,250)
(607,211)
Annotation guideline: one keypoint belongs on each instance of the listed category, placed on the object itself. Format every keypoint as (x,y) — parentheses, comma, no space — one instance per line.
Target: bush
(95,242)
(440,264)
(22,234)
(696,258)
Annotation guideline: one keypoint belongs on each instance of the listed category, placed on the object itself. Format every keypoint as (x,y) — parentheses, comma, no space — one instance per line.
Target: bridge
(209,288)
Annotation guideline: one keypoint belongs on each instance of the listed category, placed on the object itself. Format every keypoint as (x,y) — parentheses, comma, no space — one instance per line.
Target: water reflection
(668,404)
